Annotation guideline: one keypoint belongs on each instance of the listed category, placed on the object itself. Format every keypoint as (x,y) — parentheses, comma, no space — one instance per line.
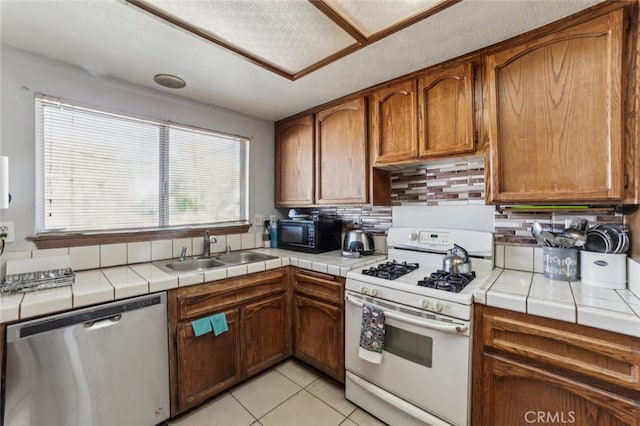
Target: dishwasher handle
(90,317)
(101,323)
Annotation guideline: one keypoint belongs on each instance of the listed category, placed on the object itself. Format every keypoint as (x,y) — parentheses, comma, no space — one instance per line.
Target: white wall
(22,75)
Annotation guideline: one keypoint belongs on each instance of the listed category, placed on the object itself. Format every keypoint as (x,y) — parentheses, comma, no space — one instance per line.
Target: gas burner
(390,270)
(447,281)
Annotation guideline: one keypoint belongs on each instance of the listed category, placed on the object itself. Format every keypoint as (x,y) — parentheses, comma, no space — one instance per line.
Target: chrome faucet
(207,244)
(228,250)
(183,254)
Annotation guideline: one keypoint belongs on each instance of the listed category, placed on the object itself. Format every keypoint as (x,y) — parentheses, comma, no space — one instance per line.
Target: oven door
(425,361)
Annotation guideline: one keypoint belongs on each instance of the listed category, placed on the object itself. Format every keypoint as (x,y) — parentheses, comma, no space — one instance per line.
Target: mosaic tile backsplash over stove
(457,182)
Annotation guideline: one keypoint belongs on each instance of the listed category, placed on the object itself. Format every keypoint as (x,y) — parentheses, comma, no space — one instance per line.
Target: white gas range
(424,374)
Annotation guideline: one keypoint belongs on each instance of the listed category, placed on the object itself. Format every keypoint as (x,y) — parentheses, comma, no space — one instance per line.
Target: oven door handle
(449,328)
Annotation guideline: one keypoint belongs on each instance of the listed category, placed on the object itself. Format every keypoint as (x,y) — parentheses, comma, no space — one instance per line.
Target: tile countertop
(532,293)
(108,284)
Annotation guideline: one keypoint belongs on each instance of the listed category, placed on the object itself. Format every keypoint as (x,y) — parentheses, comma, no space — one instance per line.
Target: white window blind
(100,171)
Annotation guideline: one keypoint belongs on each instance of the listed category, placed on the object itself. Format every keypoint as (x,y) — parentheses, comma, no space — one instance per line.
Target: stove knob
(424,303)
(437,306)
(373,292)
(414,236)
(364,290)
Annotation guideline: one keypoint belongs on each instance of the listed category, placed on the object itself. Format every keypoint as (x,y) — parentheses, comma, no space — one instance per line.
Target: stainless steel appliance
(311,236)
(424,373)
(105,365)
(357,243)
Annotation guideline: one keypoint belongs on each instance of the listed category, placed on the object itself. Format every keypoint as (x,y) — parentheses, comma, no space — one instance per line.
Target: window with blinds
(102,171)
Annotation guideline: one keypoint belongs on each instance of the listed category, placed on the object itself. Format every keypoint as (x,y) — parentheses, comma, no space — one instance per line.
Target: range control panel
(476,243)
(434,238)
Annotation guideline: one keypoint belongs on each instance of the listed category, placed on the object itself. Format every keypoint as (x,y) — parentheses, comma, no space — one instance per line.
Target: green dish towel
(219,323)
(201,326)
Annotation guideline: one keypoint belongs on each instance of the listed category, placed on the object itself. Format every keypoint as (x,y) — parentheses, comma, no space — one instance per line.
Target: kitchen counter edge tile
(616,310)
(97,286)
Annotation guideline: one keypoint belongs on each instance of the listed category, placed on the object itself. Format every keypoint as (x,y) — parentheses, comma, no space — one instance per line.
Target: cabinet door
(207,364)
(319,335)
(341,154)
(394,126)
(294,162)
(445,103)
(518,394)
(264,333)
(555,116)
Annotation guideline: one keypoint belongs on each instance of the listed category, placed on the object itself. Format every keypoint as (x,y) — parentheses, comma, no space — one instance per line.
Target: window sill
(76,239)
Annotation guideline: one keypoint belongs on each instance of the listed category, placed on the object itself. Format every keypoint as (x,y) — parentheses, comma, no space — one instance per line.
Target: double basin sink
(197,264)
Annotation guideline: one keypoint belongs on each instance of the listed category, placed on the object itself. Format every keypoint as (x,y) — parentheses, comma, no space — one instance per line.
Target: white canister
(603,269)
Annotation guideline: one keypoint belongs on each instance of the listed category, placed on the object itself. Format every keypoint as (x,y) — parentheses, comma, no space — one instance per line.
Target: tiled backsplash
(102,256)
(375,220)
(515,227)
(456,182)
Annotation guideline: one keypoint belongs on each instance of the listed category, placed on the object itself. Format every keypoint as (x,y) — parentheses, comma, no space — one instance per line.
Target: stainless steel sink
(198,264)
(190,265)
(241,257)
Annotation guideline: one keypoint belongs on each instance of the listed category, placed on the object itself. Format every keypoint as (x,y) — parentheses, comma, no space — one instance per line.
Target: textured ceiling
(114,39)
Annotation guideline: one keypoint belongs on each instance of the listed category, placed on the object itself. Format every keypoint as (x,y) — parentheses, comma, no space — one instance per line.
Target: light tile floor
(290,394)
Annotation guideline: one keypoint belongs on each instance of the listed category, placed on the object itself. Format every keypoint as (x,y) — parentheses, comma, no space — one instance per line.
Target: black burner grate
(447,281)
(391,270)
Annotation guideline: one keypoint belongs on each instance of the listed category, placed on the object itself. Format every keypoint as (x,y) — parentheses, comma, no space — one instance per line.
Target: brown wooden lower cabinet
(531,370)
(318,318)
(207,364)
(257,311)
(260,311)
(264,333)
(319,335)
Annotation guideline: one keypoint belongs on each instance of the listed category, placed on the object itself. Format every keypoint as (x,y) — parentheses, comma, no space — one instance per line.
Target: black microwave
(310,236)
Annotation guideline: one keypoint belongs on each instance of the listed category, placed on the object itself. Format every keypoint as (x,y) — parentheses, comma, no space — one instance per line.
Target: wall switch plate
(8,228)
(258,220)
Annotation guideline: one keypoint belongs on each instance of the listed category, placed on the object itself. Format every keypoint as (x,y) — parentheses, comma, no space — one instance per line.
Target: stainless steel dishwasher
(101,366)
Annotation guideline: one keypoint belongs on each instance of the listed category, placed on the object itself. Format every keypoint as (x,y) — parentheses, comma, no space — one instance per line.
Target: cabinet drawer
(207,298)
(596,356)
(320,286)
(520,394)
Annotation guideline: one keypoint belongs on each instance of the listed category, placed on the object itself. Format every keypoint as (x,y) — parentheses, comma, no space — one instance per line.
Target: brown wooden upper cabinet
(323,159)
(294,164)
(394,123)
(555,116)
(342,170)
(446,114)
(431,116)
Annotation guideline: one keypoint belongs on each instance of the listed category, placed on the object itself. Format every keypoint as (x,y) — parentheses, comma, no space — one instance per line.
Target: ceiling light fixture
(170,81)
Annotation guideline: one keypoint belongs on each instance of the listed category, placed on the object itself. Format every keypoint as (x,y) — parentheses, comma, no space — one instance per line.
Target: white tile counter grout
(96,286)
(532,293)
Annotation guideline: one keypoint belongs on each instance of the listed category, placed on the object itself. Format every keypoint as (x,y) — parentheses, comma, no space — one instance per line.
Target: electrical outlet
(258,220)
(8,228)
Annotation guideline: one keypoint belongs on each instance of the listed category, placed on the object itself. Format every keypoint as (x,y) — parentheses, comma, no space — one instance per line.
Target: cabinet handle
(314,274)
